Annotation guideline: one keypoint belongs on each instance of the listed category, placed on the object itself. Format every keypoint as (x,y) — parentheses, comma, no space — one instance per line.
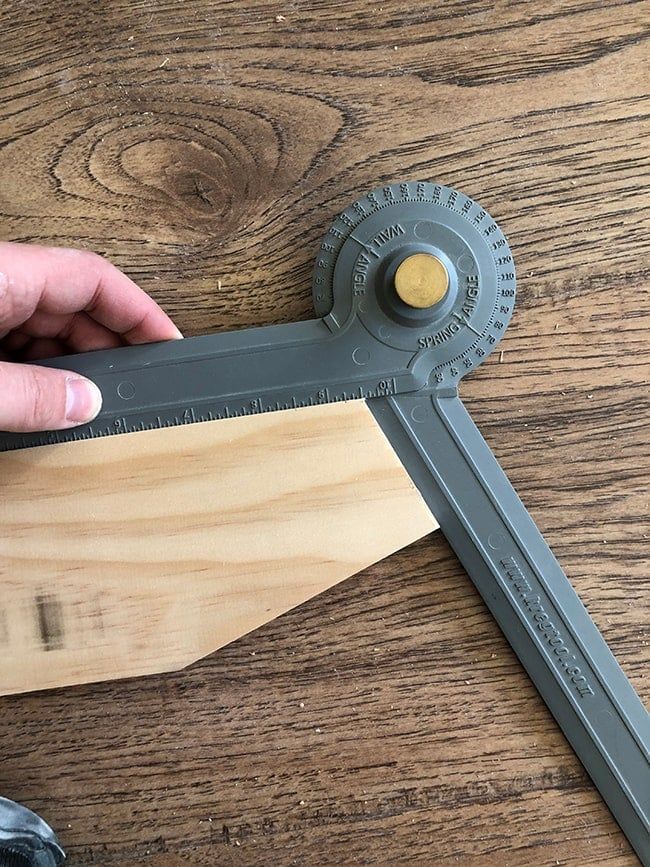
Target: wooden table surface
(205,147)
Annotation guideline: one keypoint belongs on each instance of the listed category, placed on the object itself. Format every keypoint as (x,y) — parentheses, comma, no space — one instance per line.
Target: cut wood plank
(144,552)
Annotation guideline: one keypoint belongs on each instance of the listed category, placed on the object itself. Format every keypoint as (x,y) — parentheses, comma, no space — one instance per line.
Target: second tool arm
(530,597)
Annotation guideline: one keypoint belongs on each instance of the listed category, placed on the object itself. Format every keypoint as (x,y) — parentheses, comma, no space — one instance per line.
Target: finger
(22,347)
(15,342)
(85,334)
(63,281)
(43,347)
(78,330)
(36,398)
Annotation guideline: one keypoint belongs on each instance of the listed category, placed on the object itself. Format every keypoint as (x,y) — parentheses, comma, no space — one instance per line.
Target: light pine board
(144,552)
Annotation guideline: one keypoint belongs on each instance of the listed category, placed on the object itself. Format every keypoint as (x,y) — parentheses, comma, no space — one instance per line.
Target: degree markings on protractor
(412,191)
(453,211)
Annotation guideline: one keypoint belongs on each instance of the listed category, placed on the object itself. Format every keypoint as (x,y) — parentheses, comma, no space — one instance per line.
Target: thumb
(36,398)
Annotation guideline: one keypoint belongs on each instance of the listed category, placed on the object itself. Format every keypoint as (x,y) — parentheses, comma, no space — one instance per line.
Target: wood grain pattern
(205,147)
(143,553)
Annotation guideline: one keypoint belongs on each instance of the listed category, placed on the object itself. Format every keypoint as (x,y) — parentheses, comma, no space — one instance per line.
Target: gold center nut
(421,280)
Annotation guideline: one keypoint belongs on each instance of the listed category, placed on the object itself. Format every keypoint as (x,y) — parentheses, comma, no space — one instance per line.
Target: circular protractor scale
(426,269)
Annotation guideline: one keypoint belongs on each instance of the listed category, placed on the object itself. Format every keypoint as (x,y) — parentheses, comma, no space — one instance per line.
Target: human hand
(55,301)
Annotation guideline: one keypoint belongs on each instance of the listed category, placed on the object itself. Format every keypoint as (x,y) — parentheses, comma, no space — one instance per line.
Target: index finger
(63,281)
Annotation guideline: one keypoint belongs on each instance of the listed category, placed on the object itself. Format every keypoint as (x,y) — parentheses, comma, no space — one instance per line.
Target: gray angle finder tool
(414,285)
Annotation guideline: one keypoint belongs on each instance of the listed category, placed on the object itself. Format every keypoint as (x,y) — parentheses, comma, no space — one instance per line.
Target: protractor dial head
(426,269)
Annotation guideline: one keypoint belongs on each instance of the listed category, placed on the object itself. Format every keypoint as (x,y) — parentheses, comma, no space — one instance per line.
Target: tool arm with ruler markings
(227,375)
(414,285)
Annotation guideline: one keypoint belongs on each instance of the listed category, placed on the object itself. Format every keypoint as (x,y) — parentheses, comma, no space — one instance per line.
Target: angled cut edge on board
(144,552)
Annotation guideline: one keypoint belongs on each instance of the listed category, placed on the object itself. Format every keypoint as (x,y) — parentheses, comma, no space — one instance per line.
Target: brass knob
(421,280)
